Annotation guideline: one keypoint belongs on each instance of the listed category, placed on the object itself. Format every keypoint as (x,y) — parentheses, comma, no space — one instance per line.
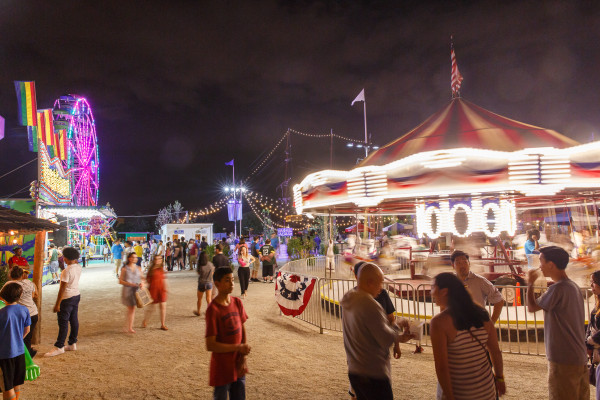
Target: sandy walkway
(289,359)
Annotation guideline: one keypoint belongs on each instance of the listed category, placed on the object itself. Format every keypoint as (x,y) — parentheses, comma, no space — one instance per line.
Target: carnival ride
(463,171)
(74,114)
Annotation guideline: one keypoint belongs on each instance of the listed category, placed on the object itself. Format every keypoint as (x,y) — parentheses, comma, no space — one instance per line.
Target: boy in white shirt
(67,303)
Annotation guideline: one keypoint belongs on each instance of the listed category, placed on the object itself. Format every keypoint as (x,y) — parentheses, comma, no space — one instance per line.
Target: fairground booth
(18,229)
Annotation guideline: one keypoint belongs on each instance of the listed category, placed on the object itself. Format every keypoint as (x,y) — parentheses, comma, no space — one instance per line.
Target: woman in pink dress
(157,286)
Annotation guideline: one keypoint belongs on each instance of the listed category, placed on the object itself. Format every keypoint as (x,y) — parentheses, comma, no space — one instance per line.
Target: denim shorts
(204,286)
(53,267)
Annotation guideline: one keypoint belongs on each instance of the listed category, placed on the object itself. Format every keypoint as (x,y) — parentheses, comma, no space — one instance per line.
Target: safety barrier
(519,331)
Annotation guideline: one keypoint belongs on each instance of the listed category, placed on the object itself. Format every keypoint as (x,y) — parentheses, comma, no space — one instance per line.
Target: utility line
(17,192)
(27,163)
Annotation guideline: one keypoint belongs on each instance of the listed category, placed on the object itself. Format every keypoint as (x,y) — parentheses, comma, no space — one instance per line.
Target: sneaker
(55,352)
(71,347)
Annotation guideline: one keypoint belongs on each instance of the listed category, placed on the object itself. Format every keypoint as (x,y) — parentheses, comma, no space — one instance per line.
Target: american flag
(456,76)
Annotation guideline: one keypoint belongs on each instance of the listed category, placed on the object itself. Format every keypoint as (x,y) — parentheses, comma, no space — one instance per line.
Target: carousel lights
(469,227)
(504,218)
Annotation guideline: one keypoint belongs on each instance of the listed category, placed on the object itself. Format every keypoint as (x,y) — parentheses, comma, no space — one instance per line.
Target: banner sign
(285,232)
(293,292)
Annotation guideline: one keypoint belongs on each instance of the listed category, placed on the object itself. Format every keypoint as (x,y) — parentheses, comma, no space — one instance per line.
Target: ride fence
(519,331)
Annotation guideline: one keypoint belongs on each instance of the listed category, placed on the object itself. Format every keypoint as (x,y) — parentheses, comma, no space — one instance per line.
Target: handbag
(487,353)
(142,297)
(592,373)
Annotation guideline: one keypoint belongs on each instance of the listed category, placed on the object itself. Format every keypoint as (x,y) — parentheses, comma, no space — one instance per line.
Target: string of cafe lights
(255,170)
(208,210)
(311,135)
(325,136)
(274,206)
(260,217)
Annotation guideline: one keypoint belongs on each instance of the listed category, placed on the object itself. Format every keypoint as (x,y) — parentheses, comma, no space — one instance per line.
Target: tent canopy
(361,228)
(12,220)
(572,216)
(463,124)
(397,227)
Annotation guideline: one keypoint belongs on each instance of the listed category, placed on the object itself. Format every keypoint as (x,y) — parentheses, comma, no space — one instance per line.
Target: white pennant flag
(360,97)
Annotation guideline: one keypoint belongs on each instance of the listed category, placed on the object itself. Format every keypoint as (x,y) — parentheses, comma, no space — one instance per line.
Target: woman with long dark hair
(157,287)
(205,280)
(593,330)
(465,345)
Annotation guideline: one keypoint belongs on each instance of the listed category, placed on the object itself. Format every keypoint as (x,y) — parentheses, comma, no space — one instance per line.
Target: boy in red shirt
(226,339)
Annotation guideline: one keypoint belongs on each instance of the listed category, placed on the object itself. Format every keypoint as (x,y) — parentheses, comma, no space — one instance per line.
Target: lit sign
(55,184)
(285,232)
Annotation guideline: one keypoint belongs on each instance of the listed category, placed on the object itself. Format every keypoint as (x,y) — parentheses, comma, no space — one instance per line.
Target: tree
(267,223)
(164,217)
(177,210)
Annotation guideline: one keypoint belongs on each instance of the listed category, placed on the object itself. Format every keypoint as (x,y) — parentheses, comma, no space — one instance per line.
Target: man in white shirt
(67,303)
(481,289)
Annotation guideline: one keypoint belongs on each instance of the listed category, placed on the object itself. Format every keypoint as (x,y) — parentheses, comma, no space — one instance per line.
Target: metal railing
(519,331)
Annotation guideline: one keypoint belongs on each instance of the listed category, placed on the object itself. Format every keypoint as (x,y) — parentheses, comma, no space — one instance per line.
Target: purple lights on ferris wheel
(82,155)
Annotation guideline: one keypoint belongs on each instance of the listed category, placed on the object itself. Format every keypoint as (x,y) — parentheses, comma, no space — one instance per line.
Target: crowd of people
(467,358)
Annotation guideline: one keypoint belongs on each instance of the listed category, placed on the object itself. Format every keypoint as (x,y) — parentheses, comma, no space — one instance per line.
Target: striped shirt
(470,371)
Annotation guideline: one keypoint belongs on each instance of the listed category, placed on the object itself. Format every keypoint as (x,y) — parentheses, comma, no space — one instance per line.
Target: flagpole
(234,202)
(365,113)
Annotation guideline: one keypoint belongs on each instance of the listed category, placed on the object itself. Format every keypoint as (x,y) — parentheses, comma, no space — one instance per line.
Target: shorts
(256,265)
(53,267)
(118,262)
(267,270)
(204,286)
(12,371)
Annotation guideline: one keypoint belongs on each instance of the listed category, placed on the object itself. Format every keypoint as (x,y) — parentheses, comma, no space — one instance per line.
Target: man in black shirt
(203,244)
(219,260)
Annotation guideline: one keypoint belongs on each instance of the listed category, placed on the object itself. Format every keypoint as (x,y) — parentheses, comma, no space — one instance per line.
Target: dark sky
(178,88)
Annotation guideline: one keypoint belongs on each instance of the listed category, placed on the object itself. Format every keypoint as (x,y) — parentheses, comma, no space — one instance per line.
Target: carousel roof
(464,124)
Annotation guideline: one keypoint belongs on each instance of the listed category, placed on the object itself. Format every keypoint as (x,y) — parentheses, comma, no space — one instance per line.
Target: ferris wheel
(74,114)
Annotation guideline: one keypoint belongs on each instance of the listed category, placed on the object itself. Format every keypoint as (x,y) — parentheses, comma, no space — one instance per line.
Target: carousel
(469,173)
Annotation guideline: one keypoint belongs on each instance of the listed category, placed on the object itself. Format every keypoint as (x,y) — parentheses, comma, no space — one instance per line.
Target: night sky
(178,88)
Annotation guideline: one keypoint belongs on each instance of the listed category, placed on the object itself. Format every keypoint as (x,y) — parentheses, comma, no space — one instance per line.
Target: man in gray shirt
(481,289)
(564,327)
(368,337)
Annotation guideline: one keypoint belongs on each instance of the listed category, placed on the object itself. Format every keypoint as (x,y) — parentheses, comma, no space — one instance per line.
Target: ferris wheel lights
(350,144)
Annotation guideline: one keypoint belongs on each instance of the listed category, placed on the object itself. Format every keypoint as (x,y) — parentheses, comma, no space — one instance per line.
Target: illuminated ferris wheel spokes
(82,148)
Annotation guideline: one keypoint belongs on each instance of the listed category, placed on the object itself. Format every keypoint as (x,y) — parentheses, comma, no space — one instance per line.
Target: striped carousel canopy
(463,124)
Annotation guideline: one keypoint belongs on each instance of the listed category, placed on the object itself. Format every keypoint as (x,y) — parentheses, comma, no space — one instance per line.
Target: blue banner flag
(230,162)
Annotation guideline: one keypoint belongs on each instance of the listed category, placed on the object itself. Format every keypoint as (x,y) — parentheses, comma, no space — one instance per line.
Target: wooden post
(38,270)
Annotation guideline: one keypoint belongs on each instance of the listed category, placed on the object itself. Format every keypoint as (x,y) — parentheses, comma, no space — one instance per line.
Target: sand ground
(289,358)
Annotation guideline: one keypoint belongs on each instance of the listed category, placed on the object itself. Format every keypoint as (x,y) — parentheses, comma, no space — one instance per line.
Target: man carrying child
(14,326)
(226,339)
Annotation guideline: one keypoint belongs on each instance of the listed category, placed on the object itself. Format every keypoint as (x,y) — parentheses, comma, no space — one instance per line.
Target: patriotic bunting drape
(26,102)
(293,292)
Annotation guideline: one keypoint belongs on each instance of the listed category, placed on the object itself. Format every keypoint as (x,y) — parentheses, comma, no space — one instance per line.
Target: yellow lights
(55,182)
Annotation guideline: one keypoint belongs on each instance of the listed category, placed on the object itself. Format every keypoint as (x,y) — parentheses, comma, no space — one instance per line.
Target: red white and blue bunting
(292,292)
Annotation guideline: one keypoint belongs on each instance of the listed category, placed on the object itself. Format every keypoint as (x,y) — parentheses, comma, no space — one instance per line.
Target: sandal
(164,328)
(196,313)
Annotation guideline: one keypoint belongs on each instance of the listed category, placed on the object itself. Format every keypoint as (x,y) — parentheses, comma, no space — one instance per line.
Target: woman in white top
(18,275)
(245,260)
